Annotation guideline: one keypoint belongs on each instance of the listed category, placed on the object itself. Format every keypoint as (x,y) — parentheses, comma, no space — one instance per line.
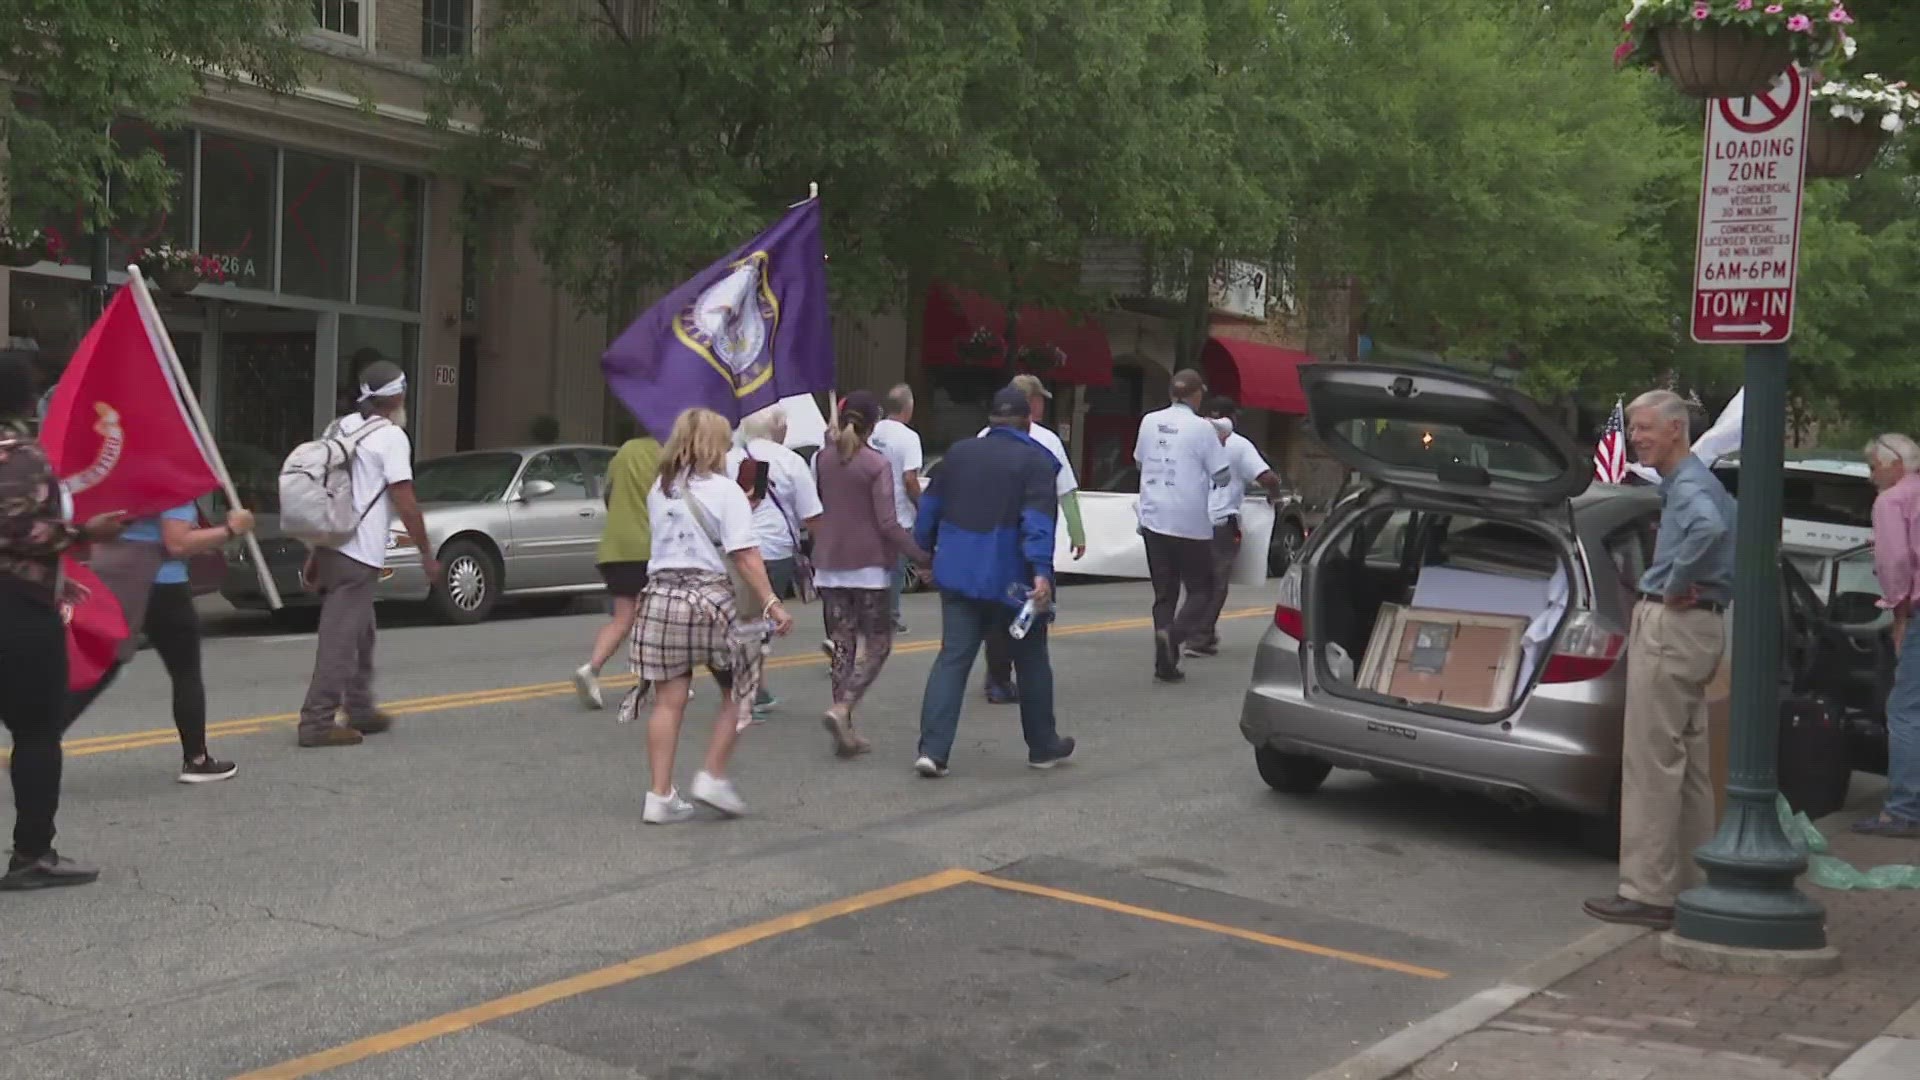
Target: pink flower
(1700,11)
(1800,24)
(1744,5)
(1839,15)
(1620,54)
(1775,9)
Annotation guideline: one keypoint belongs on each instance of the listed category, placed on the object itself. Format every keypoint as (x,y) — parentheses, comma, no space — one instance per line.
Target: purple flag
(742,334)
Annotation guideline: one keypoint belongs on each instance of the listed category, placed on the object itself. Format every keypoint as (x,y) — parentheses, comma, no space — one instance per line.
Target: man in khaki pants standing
(1678,636)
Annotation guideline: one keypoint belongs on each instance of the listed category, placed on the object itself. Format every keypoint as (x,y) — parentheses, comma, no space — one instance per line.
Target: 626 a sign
(1748,261)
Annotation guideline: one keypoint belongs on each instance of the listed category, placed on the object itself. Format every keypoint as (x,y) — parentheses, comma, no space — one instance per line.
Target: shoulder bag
(746,600)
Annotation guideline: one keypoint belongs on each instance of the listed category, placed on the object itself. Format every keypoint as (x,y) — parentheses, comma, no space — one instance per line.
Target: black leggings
(33,691)
(173,629)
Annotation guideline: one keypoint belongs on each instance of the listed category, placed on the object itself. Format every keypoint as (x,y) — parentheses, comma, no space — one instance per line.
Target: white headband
(393,388)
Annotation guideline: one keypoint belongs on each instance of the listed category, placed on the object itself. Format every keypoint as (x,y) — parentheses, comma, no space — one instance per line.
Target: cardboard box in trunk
(1461,659)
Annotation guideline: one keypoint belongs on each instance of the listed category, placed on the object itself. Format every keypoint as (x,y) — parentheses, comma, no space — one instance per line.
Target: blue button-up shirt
(1695,546)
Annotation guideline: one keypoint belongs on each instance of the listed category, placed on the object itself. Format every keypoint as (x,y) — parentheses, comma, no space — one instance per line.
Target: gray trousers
(343,661)
(1226,548)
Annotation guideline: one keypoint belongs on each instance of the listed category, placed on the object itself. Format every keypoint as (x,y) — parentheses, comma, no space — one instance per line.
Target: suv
(1470,499)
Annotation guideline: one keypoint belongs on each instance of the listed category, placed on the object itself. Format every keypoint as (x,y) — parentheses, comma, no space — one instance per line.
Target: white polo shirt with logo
(1181,461)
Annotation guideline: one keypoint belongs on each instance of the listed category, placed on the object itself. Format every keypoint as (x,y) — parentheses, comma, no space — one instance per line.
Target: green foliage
(1501,190)
(81,64)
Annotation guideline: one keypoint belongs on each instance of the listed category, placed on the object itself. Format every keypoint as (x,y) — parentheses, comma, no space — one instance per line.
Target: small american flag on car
(1610,456)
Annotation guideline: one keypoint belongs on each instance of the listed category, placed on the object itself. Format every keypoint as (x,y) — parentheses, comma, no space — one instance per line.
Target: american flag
(1610,456)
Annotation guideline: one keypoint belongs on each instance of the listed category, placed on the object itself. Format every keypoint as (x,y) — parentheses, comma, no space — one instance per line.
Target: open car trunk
(1440,612)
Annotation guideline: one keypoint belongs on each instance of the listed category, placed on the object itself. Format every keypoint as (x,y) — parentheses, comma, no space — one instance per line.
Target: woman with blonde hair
(857,543)
(1894,463)
(707,603)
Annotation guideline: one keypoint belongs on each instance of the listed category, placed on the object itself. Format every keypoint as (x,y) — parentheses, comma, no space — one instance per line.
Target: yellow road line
(640,967)
(140,740)
(625,972)
(1201,924)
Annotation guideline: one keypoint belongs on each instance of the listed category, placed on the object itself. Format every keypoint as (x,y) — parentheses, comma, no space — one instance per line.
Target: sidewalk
(1629,1015)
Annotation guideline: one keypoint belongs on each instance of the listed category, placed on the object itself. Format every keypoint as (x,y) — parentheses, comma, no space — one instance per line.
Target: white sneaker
(587,684)
(717,792)
(929,768)
(668,811)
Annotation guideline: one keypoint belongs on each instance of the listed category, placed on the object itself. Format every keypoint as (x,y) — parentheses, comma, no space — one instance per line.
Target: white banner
(1114,547)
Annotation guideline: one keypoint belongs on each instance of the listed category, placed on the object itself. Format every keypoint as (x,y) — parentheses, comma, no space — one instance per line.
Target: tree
(979,141)
(1498,188)
(81,64)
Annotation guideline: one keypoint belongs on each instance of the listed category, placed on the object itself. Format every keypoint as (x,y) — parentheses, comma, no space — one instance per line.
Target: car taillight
(1287,617)
(1585,652)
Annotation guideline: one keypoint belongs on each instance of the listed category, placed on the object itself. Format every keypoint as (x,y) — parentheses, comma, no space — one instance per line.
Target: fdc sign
(1748,261)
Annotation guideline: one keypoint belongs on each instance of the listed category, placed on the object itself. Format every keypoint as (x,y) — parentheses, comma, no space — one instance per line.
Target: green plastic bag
(1830,873)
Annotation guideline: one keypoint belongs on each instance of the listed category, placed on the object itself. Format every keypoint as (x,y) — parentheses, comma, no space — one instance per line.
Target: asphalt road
(473,895)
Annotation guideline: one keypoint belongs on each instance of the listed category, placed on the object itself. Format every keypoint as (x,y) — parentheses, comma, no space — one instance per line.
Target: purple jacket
(858,528)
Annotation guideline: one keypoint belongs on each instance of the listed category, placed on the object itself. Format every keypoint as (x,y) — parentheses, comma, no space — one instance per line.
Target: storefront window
(362,341)
(316,230)
(389,263)
(266,394)
(237,209)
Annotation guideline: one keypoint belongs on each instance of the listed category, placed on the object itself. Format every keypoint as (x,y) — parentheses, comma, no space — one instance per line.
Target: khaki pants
(1666,798)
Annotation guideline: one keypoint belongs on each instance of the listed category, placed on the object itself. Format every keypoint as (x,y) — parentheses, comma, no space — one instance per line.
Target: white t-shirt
(1180,458)
(679,543)
(787,477)
(1244,466)
(1063,481)
(381,459)
(900,445)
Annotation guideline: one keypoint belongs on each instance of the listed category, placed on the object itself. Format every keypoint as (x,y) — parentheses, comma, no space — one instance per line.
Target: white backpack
(316,488)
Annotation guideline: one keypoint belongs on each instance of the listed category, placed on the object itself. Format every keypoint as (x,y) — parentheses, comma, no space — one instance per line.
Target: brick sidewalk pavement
(1632,1016)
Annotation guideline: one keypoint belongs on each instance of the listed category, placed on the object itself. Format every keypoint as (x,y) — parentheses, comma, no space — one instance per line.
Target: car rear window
(1818,497)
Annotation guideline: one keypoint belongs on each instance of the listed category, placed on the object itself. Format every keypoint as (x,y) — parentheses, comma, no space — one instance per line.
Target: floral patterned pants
(860,625)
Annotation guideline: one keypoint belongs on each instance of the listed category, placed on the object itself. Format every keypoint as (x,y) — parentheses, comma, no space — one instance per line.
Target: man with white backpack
(340,494)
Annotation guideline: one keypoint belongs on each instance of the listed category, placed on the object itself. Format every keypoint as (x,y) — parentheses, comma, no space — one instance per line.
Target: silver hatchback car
(1470,496)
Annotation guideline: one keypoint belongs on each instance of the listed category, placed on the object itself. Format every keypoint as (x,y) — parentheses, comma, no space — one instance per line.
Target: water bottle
(1023,622)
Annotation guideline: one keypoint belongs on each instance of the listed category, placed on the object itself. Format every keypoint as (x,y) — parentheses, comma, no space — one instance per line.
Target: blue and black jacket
(988,516)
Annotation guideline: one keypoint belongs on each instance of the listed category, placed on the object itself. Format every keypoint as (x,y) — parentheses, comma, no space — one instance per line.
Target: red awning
(953,315)
(1257,376)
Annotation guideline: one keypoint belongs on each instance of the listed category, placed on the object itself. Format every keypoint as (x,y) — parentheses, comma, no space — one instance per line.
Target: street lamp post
(1750,900)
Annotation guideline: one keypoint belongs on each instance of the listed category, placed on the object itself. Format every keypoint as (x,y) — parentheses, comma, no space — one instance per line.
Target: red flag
(116,430)
(95,625)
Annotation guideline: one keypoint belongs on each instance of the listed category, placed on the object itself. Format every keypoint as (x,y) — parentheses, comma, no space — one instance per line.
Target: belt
(1715,606)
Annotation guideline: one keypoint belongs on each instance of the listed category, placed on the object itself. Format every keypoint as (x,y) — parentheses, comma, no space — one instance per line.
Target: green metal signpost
(1744,285)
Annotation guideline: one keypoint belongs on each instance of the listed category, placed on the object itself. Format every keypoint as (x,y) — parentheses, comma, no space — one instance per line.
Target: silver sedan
(522,522)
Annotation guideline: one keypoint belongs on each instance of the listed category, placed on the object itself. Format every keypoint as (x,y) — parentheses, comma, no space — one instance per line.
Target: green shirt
(629,536)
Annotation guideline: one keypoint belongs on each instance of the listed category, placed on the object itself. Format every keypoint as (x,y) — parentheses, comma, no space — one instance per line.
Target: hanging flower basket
(1732,48)
(983,346)
(1038,359)
(178,271)
(1852,120)
(22,247)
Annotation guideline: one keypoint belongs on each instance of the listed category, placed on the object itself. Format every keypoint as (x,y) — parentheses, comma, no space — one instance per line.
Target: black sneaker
(1062,751)
(1170,675)
(1203,649)
(49,871)
(207,770)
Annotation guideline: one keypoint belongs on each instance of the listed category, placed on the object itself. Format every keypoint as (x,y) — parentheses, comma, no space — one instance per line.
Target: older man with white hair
(792,503)
(1677,638)
(1892,460)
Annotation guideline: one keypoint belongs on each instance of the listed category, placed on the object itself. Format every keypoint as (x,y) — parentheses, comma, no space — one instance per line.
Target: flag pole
(184,389)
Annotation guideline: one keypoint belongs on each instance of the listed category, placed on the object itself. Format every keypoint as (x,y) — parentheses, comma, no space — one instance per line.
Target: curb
(1407,1047)
(1892,1055)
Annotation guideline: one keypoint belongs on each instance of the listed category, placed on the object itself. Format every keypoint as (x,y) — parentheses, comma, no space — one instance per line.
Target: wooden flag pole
(151,316)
